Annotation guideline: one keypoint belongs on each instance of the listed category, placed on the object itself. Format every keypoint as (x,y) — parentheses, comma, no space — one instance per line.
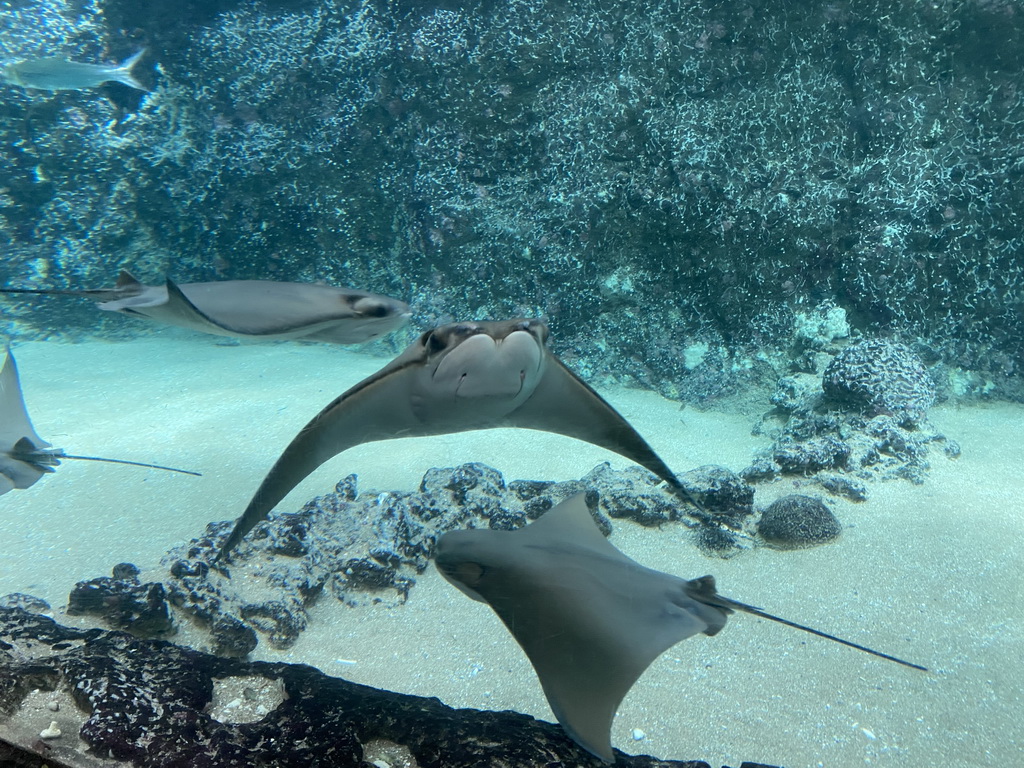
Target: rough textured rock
(357,548)
(861,416)
(124,603)
(797,521)
(842,485)
(232,637)
(728,501)
(805,457)
(880,376)
(721,491)
(25,602)
(369,547)
(792,392)
(605,164)
(146,703)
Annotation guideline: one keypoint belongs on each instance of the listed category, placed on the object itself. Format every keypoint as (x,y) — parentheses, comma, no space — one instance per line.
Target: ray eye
(465,330)
(370,308)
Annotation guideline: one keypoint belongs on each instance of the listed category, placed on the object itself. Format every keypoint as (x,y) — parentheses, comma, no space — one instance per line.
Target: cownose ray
(24,455)
(456,378)
(590,619)
(251,309)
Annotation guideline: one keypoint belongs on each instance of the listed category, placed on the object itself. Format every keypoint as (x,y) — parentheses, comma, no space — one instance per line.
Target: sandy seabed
(930,573)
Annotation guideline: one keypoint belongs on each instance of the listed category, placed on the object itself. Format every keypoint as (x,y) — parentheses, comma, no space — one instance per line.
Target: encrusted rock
(507,520)
(809,456)
(369,547)
(150,704)
(865,420)
(280,621)
(124,604)
(126,572)
(842,485)
(25,603)
(647,509)
(289,538)
(880,376)
(370,575)
(463,479)
(721,491)
(528,489)
(762,469)
(797,521)
(232,637)
(797,391)
(821,326)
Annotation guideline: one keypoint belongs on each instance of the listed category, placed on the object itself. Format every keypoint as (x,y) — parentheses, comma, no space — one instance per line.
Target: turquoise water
(707,202)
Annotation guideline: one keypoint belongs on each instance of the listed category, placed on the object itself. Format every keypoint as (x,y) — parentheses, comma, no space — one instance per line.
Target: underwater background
(701,174)
(710,203)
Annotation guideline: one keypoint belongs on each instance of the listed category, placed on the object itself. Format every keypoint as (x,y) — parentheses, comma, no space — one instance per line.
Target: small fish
(56,74)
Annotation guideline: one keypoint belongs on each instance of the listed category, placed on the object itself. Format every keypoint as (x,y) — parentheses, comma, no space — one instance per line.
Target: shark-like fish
(57,74)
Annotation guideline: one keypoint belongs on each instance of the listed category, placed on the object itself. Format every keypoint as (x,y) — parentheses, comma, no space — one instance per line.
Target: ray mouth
(496,395)
(483,368)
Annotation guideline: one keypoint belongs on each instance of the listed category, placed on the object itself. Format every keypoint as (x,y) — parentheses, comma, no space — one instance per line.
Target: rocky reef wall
(675,186)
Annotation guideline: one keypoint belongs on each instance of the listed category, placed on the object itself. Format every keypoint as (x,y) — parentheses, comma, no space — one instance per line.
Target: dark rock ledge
(369,546)
(121,700)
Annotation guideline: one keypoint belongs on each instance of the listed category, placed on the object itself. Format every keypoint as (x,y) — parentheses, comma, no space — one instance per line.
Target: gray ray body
(253,309)
(23,453)
(456,378)
(590,619)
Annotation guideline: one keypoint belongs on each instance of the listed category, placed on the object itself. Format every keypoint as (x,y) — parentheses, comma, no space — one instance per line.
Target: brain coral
(882,376)
(797,521)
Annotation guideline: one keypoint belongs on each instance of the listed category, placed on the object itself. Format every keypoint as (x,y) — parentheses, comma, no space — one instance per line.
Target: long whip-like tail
(47,291)
(758,612)
(132,463)
(704,590)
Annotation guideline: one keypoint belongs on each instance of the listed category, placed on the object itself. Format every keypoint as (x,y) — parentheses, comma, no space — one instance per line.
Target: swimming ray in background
(251,309)
(24,456)
(456,378)
(590,619)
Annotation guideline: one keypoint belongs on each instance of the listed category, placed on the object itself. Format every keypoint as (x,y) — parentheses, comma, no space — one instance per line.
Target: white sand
(930,573)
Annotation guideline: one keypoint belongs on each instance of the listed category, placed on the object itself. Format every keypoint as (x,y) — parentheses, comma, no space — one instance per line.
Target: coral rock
(880,376)
(798,521)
